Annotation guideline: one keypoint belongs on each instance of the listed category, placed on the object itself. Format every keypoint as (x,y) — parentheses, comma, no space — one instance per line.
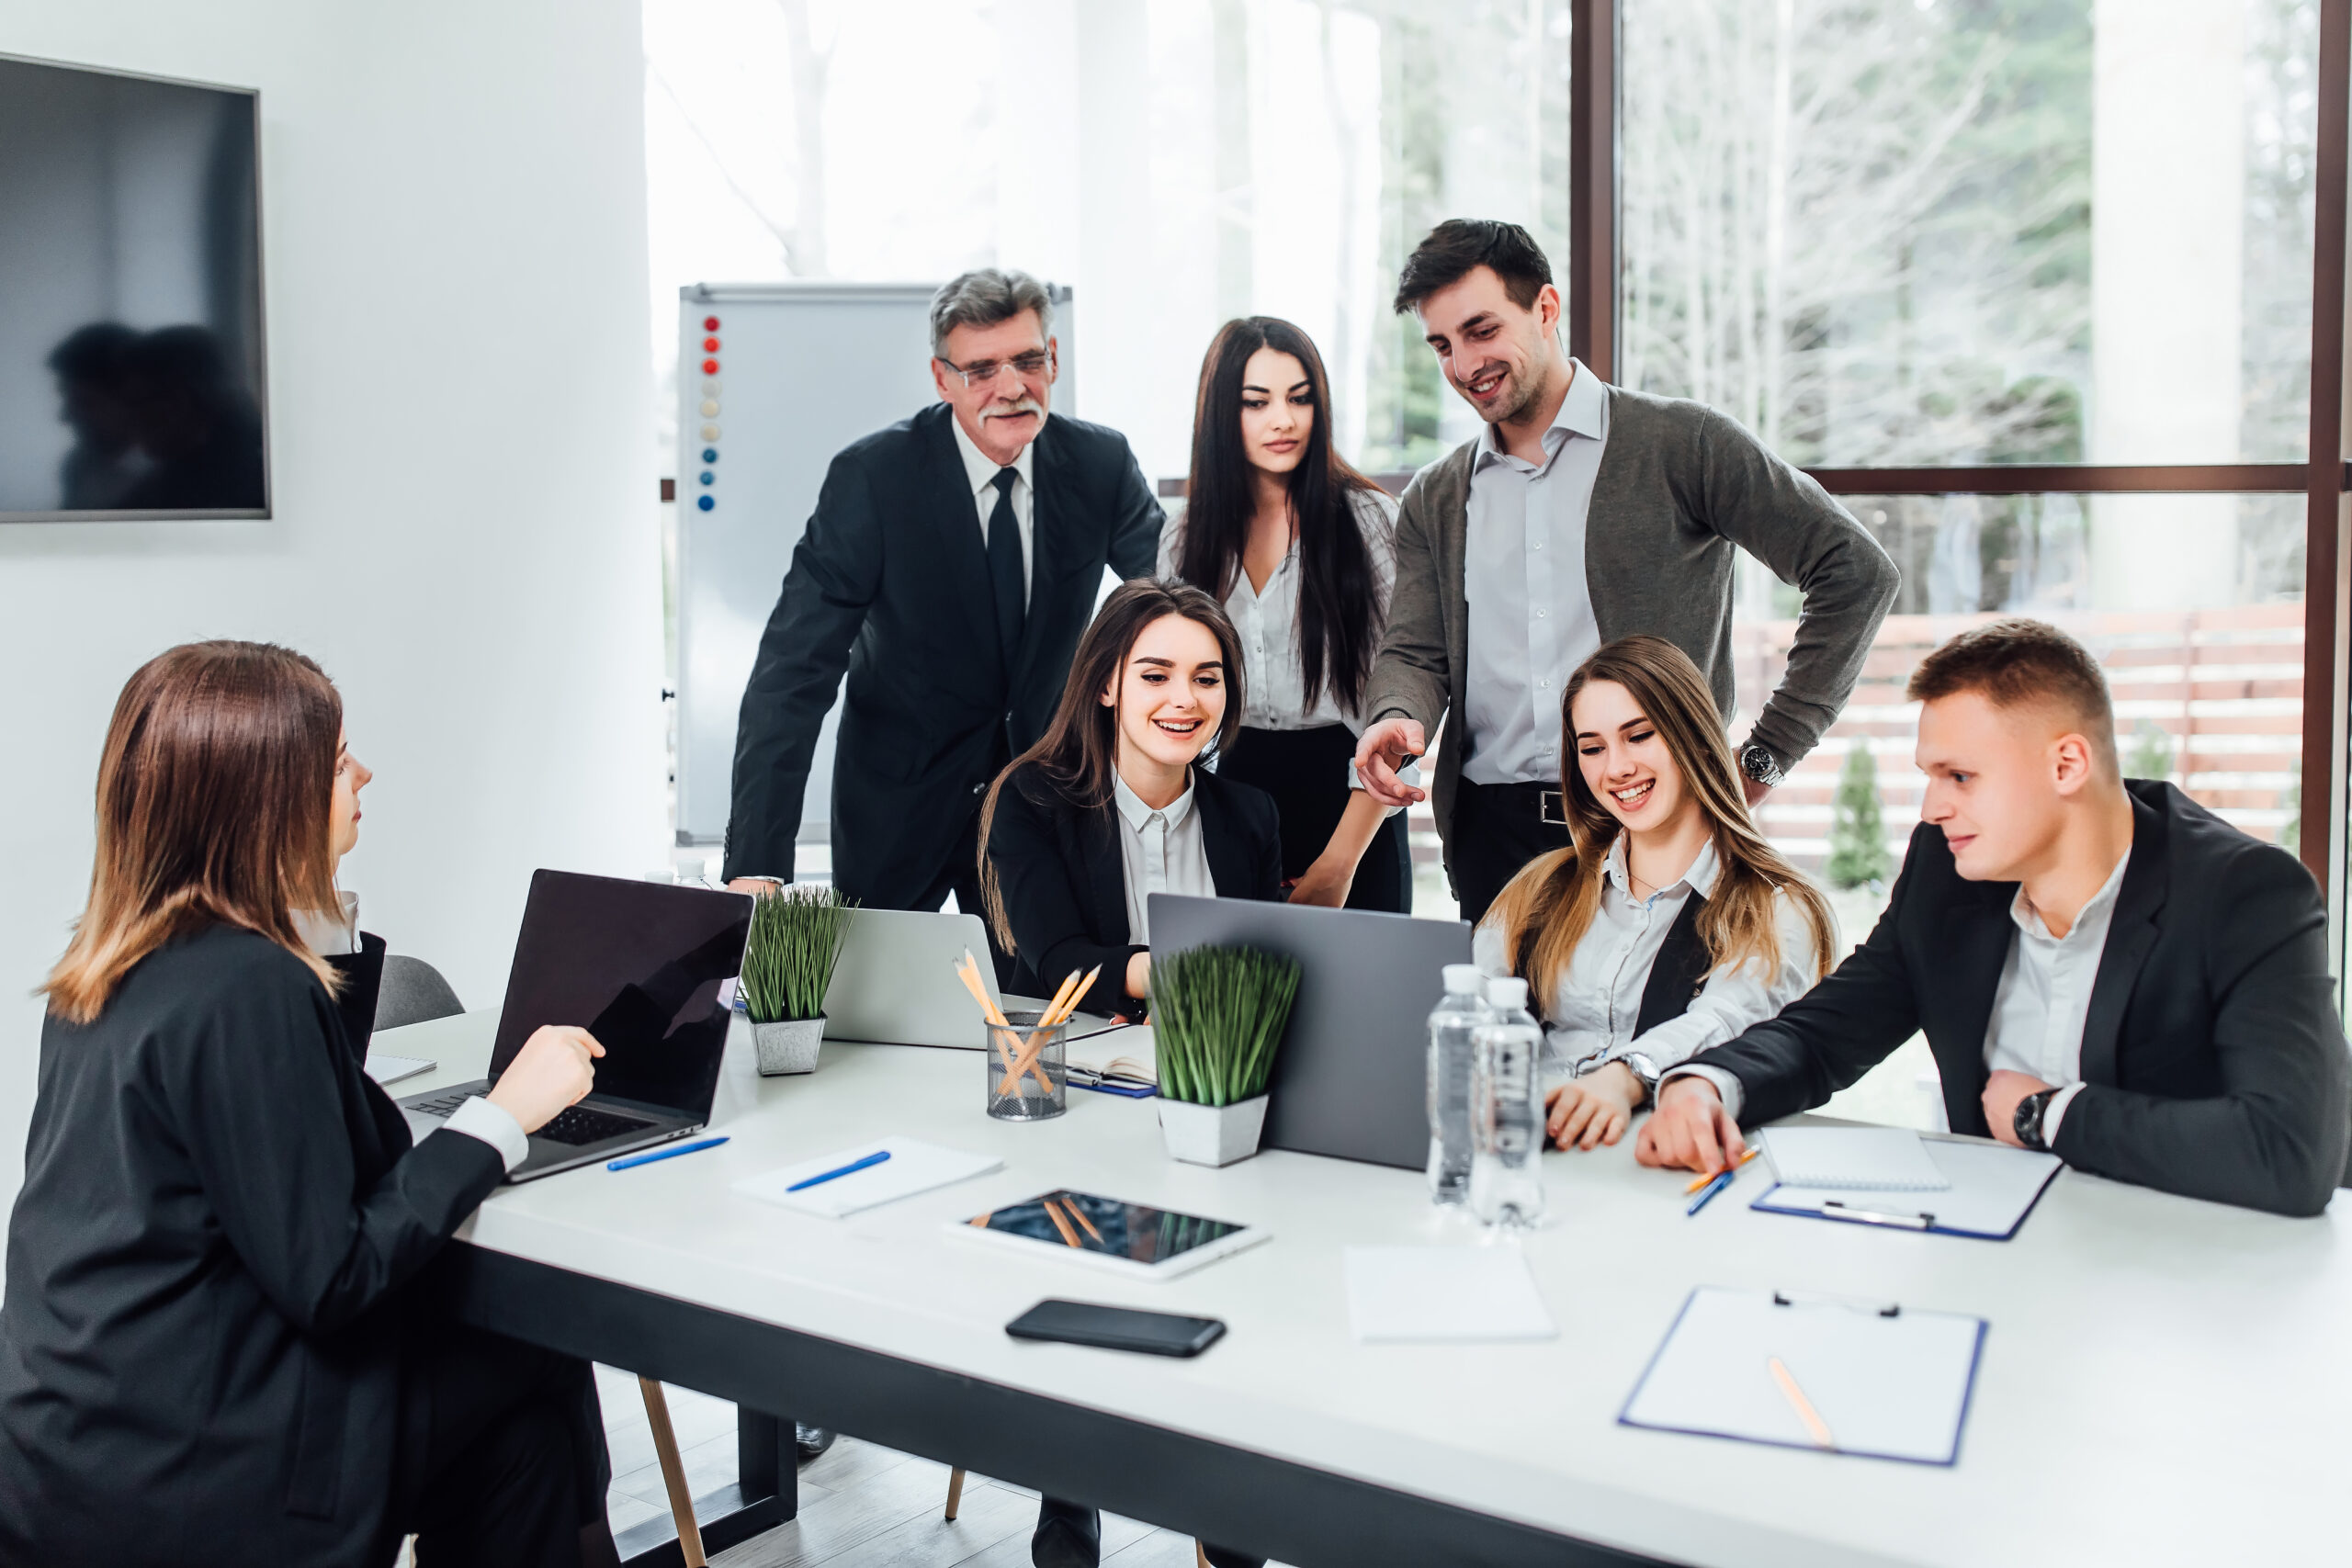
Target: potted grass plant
(1217,1017)
(797,935)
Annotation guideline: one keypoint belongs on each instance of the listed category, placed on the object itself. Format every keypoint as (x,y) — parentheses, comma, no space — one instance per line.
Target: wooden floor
(860,1505)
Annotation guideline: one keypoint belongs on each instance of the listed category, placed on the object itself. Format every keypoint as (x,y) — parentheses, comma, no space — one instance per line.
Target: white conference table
(2164,1379)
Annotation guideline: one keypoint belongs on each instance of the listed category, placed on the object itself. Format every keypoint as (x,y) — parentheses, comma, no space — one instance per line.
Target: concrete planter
(1212,1135)
(789,1046)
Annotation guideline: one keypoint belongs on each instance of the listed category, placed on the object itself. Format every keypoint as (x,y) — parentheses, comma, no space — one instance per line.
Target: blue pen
(1707,1193)
(672,1152)
(852,1165)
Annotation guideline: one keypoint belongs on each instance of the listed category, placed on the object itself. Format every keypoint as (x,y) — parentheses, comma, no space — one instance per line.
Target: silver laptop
(896,985)
(639,964)
(1351,1078)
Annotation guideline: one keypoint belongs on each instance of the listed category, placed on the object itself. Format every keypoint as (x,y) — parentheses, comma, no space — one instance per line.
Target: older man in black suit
(950,566)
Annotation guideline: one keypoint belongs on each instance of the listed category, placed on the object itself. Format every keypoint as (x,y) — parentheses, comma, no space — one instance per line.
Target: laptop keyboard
(444,1106)
(581,1125)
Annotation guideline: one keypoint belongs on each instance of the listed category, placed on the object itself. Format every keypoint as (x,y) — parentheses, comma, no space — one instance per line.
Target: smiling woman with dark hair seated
(213,1347)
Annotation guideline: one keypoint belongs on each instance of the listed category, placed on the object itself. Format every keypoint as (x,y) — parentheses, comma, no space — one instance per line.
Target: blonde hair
(215,807)
(1546,910)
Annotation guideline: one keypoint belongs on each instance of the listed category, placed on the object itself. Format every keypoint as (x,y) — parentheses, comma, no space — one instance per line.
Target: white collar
(1584,411)
(1698,877)
(2028,919)
(1132,807)
(979,469)
(327,934)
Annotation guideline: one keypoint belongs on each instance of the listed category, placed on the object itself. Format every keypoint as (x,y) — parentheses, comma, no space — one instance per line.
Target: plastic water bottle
(1506,1110)
(1460,1011)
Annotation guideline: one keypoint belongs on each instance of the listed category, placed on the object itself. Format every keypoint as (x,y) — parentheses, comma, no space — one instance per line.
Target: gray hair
(982,297)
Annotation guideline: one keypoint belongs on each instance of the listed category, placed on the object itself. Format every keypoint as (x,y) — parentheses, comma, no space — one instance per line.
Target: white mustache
(1019,406)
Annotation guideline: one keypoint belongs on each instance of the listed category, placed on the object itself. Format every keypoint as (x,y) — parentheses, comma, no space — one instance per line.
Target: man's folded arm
(2274,1138)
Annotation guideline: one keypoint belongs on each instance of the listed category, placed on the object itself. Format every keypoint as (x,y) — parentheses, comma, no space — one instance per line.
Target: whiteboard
(803,370)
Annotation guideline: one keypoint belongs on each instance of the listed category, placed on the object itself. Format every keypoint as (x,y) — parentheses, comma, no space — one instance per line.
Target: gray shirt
(1531,614)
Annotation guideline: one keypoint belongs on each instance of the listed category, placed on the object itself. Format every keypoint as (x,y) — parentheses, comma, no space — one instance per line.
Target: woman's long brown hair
(215,805)
(1548,907)
(1340,615)
(1078,752)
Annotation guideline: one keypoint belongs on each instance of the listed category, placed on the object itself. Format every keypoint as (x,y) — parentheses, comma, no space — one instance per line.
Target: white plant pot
(789,1046)
(1212,1135)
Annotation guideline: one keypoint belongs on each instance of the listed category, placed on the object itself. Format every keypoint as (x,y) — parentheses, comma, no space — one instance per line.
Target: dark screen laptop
(637,965)
(1351,1077)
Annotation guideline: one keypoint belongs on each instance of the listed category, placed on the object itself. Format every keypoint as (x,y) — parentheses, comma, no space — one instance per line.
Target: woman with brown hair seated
(1669,924)
(213,1346)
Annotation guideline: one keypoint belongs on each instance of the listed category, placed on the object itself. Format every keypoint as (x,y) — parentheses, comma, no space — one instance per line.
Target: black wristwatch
(2027,1123)
(1760,765)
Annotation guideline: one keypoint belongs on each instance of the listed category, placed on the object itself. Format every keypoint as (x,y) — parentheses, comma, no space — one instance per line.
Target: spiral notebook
(1881,1159)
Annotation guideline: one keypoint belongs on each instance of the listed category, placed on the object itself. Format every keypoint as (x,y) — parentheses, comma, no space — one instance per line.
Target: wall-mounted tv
(131,363)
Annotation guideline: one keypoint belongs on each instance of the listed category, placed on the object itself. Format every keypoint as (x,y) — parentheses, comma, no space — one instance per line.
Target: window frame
(1596,273)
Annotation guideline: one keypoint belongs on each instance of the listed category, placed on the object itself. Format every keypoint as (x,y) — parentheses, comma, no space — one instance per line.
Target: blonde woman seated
(1669,925)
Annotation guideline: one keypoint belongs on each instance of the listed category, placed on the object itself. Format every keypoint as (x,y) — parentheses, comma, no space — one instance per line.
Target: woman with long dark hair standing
(1301,550)
(212,1348)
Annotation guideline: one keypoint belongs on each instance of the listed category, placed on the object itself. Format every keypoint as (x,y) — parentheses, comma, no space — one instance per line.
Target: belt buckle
(1552,808)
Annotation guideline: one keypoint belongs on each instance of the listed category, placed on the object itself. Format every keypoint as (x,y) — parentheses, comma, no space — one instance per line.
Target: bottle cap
(1506,991)
(1461,979)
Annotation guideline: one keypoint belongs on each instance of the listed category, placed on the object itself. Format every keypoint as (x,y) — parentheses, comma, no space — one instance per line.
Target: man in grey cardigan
(1582,514)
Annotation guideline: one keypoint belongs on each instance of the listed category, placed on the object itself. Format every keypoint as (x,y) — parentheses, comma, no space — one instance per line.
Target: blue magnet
(710,453)
(705,476)
(705,502)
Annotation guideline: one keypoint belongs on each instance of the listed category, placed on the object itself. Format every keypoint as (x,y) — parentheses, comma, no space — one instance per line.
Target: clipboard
(1860,1379)
(1992,1189)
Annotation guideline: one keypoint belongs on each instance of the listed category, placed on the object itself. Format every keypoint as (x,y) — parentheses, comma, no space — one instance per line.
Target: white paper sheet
(391,1069)
(913,1167)
(1885,1387)
(1447,1293)
(1990,1187)
(1886,1159)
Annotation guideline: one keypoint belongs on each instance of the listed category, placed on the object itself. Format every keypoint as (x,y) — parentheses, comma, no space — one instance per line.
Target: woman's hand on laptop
(551,1071)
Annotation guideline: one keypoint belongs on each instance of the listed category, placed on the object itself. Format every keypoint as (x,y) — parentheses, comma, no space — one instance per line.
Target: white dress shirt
(2040,1007)
(981,470)
(1267,620)
(1530,608)
(1590,1017)
(1163,852)
(329,935)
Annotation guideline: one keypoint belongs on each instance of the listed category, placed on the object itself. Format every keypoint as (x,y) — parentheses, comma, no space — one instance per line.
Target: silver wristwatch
(1645,1072)
(1760,765)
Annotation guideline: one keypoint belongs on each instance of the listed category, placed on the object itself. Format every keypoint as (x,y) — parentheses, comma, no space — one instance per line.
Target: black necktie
(1004,566)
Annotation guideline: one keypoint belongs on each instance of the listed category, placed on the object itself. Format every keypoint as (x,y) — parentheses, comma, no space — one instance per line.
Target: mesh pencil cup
(1042,1090)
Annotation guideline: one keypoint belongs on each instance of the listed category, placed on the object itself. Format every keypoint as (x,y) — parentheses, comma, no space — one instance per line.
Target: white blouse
(1268,621)
(1592,1013)
(1161,852)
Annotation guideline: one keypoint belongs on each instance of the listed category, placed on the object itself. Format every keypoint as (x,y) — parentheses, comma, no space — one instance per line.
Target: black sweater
(201,1342)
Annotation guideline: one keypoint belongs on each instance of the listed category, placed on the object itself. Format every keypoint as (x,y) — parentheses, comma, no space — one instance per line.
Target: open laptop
(895,983)
(637,965)
(1351,1078)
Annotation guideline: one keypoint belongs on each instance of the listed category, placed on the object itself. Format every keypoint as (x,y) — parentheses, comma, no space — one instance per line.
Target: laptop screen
(639,965)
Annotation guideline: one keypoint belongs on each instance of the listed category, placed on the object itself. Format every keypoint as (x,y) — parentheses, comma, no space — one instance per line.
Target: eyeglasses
(981,372)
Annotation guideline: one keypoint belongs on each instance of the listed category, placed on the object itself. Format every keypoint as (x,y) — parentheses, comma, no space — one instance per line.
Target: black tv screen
(130,320)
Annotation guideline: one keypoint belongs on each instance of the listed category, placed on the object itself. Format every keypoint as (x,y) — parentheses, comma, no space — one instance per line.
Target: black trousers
(1498,829)
(1307,773)
(1067,1530)
(501,1460)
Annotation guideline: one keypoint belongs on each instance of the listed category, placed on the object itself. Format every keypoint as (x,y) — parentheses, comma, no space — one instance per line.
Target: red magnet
(710,346)
(710,324)
(711,366)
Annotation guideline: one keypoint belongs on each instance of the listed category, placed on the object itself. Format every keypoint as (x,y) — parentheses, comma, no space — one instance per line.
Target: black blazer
(201,1348)
(1064,884)
(890,582)
(2214,1062)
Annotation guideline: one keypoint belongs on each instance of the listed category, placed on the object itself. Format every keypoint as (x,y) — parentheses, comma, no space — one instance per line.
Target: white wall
(466,531)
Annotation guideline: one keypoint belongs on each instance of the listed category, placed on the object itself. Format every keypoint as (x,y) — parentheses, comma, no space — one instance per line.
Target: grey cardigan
(1680,485)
